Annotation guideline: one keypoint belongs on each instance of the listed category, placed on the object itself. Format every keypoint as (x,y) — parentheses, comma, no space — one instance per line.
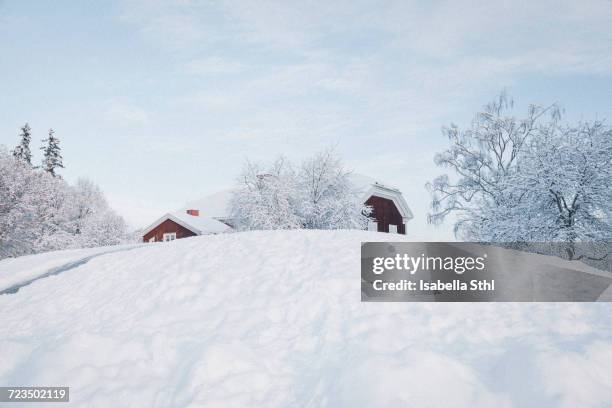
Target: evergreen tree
(22,151)
(52,157)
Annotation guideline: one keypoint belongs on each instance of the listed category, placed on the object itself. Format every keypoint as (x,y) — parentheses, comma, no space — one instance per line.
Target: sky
(160,102)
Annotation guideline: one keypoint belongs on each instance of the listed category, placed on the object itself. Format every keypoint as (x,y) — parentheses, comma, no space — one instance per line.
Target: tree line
(40,211)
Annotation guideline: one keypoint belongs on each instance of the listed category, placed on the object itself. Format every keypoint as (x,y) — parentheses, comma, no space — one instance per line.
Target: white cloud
(213,66)
(173,23)
(126,113)
(445,31)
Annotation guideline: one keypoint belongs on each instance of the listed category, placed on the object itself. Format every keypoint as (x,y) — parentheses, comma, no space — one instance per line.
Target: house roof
(215,205)
(366,187)
(197,224)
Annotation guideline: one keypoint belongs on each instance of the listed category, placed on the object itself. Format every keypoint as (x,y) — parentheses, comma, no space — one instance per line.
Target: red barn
(390,212)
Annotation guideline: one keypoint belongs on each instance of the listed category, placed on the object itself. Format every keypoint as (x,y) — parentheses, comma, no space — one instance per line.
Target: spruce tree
(52,156)
(22,151)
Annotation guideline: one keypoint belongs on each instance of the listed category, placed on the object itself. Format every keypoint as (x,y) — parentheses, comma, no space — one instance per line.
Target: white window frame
(152,239)
(392,229)
(169,236)
(373,226)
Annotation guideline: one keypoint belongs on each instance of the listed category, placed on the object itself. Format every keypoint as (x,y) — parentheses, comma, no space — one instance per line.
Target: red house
(178,225)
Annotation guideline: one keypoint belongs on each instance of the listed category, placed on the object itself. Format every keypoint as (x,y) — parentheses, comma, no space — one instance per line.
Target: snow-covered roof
(390,193)
(217,205)
(366,187)
(199,225)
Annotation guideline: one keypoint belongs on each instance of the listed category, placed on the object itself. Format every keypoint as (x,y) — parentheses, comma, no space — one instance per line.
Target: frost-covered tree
(319,195)
(564,180)
(17,206)
(40,212)
(29,205)
(52,157)
(266,197)
(87,199)
(527,181)
(22,150)
(53,202)
(482,158)
(90,218)
(327,199)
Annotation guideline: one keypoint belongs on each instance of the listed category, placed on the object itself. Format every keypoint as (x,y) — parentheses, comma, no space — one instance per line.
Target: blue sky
(160,102)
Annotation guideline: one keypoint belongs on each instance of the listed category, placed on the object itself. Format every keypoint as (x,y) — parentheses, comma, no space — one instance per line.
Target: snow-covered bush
(318,195)
(40,212)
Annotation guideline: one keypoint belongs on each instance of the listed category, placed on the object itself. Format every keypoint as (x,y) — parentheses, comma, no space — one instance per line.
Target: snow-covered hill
(274,319)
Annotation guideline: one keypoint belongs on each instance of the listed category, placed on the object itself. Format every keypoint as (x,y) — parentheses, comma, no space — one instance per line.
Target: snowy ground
(274,319)
(16,272)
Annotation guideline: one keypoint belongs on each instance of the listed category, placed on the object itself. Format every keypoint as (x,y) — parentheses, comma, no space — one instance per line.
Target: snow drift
(274,319)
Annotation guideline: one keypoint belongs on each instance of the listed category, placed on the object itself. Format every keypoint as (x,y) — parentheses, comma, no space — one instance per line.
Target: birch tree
(482,158)
(527,181)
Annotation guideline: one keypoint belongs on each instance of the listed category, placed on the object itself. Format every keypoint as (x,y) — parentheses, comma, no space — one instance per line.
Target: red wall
(385,212)
(167,226)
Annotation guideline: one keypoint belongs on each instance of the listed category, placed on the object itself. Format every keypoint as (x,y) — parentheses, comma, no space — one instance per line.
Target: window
(152,239)
(169,236)
(392,229)
(372,226)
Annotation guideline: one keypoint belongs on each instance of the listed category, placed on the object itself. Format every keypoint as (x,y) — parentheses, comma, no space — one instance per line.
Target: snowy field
(26,269)
(274,319)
